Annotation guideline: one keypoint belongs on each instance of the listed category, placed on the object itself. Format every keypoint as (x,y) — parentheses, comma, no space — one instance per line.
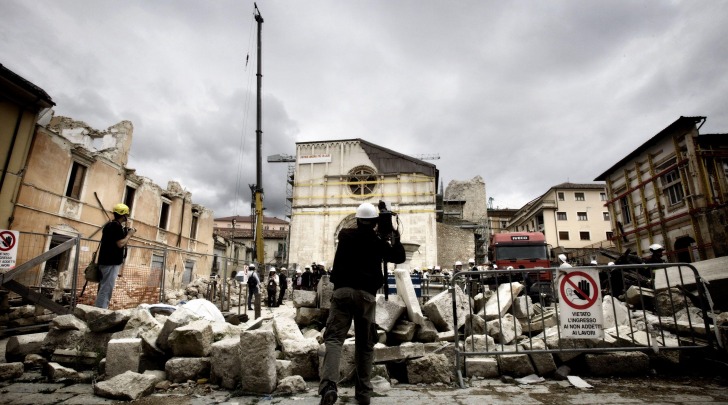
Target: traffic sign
(8,248)
(580,303)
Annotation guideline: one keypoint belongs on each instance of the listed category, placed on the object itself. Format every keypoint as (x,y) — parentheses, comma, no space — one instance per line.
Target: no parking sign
(580,304)
(8,248)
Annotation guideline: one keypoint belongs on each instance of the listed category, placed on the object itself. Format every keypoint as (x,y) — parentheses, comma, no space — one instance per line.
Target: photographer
(357,275)
(114,238)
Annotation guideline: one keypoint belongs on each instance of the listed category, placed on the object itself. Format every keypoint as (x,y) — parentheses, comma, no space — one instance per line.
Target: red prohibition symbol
(590,299)
(7,241)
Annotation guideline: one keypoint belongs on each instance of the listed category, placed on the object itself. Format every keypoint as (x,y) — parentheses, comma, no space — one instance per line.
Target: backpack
(252,280)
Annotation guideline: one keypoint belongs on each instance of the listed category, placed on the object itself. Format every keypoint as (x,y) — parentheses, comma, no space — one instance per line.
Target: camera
(384,222)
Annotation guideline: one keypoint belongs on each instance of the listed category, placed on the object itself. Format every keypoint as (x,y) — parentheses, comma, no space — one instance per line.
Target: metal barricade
(505,312)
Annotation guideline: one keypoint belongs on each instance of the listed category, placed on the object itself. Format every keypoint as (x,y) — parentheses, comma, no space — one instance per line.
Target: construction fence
(647,307)
(146,274)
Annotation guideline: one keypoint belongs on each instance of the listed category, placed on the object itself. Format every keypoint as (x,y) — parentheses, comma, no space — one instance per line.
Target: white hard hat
(458,263)
(495,266)
(366,211)
(437,267)
(562,257)
(594,262)
(272,269)
(509,268)
(283,268)
(656,246)
(610,264)
(251,266)
(471,260)
(298,270)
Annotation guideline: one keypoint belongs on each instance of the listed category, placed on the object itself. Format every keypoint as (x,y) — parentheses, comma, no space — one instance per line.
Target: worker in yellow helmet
(114,238)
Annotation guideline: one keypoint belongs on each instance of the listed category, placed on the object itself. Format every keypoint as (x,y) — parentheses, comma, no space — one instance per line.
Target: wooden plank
(35,297)
(8,276)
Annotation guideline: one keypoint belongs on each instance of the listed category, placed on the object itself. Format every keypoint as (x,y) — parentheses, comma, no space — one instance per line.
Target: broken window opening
(164,215)
(75,181)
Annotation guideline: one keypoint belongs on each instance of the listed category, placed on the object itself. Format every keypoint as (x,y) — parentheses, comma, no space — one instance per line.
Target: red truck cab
(520,250)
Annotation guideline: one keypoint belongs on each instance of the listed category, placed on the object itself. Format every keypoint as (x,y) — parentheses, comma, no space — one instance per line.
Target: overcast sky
(526,94)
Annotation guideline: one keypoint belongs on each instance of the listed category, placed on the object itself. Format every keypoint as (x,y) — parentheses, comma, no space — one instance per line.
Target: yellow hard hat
(121,209)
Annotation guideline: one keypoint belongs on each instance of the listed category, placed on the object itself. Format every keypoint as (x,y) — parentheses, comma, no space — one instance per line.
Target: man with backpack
(253,285)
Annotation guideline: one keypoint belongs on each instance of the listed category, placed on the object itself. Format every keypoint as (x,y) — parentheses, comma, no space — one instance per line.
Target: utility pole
(258,190)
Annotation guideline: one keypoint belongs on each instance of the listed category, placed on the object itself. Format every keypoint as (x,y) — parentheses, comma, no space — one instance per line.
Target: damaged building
(239,231)
(672,190)
(332,178)
(72,177)
(461,232)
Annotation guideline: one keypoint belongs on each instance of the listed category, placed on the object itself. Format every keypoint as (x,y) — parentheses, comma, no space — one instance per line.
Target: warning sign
(580,304)
(8,248)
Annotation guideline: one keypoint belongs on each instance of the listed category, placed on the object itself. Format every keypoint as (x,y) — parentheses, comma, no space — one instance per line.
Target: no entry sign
(8,248)
(580,304)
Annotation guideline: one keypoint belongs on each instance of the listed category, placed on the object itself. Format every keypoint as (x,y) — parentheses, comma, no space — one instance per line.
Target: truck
(524,250)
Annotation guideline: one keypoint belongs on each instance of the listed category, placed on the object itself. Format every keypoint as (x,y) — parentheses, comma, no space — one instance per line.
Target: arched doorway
(682,249)
(347,223)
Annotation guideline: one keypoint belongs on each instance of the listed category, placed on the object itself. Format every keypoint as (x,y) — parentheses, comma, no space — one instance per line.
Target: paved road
(681,390)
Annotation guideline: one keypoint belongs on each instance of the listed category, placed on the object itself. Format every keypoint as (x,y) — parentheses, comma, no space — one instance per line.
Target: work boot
(329,395)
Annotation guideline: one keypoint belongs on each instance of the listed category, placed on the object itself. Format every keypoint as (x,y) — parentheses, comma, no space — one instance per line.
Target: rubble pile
(200,288)
(134,352)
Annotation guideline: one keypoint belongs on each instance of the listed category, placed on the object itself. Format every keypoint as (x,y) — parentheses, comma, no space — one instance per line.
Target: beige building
(499,219)
(76,174)
(239,229)
(333,177)
(672,190)
(22,104)
(572,217)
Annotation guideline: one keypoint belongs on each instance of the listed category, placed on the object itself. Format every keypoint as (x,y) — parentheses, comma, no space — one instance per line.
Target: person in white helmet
(474,279)
(656,252)
(253,285)
(356,275)
(272,287)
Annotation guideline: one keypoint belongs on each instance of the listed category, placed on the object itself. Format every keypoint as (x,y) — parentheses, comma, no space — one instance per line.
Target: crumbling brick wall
(473,193)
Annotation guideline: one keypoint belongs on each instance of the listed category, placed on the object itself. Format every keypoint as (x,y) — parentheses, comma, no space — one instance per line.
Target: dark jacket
(109,253)
(358,259)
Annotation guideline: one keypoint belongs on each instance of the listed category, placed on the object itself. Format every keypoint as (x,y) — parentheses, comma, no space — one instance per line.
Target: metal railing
(639,319)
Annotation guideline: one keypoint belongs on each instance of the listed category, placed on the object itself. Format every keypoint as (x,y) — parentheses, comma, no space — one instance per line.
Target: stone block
(72,357)
(81,311)
(191,340)
(403,331)
(34,361)
(324,290)
(57,372)
(427,332)
(304,299)
(408,350)
(439,309)
(20,346)
(499,303)
(312,333)
(181,369)
(553,342)
(141,319)
(505,330)
(515,365)
(129,386)
(113,322)
(257,351)
(224,330)
(286,329)
(225,362)
(617,363)
(406,290)
(307,316)
(484,367)
(543,362)
(180,317)
(303,355)
(283,369)
(291,385)
(388,311)
(522,308)
(123,355)
(480,343)
(9,371)
(474,325)
(615,313)
(429,369)
(68,322)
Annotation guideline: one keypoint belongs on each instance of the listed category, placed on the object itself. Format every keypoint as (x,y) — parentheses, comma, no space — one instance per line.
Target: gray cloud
(525,94)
